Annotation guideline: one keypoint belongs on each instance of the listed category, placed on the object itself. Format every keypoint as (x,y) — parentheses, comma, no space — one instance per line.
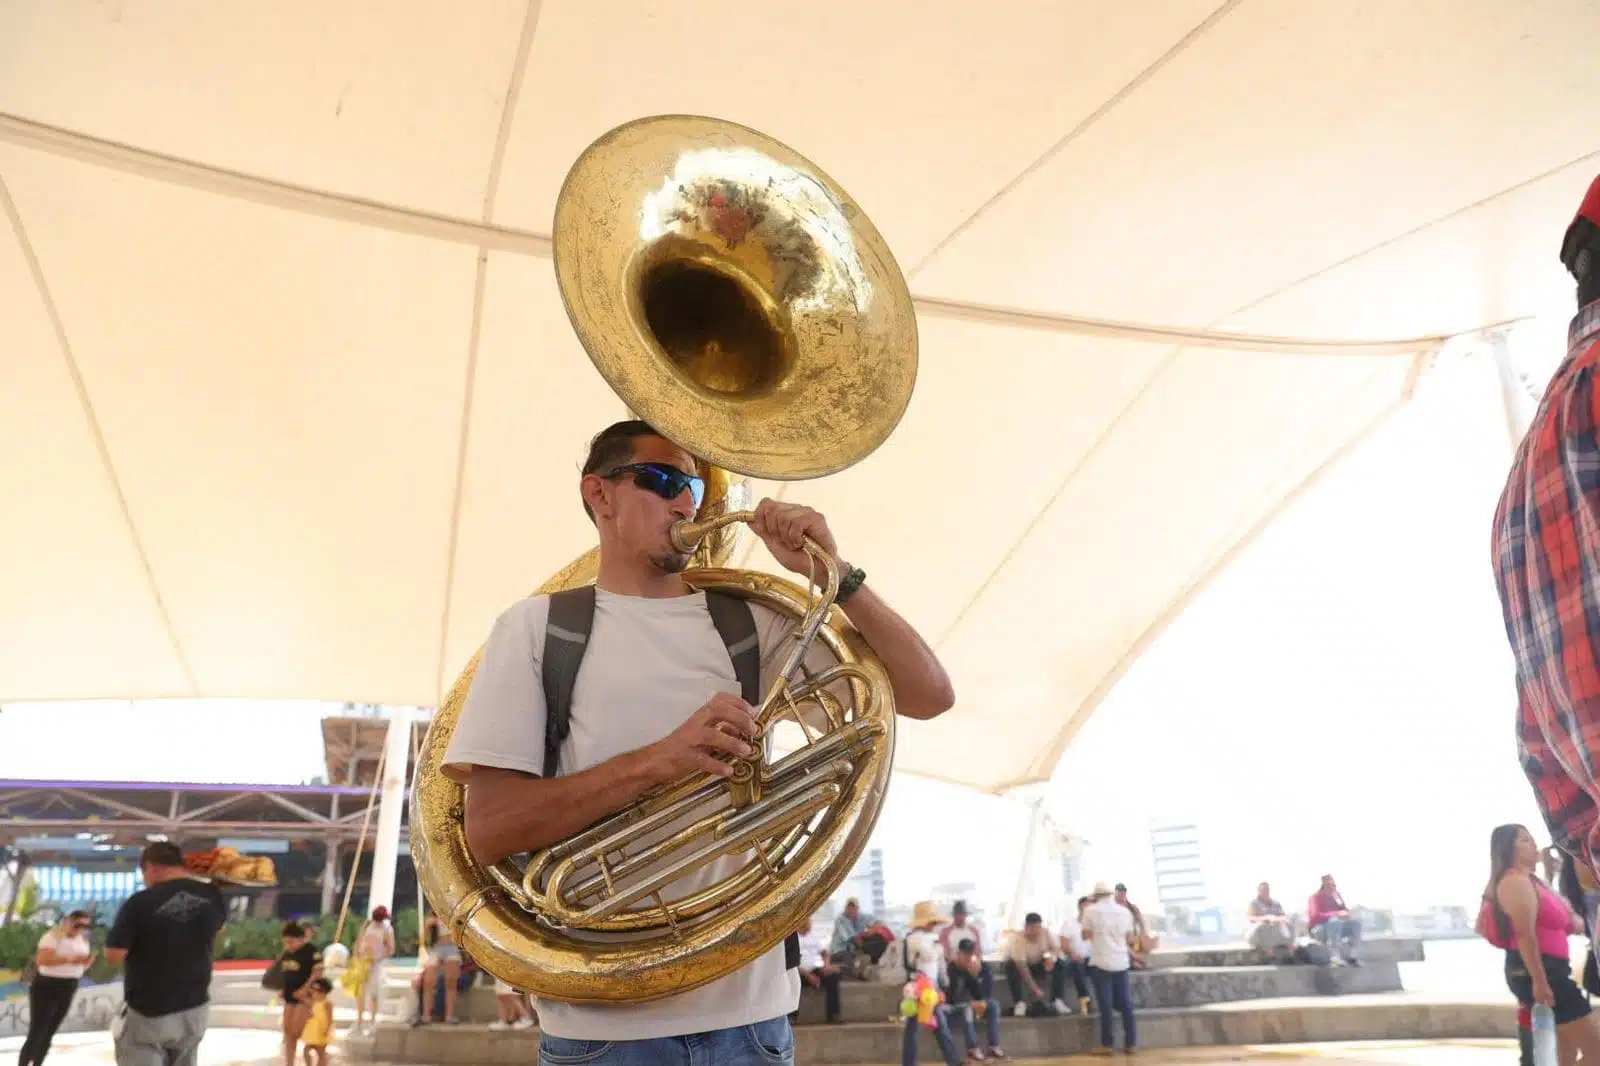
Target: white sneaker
(522,1023)
(499,1027)
(1020,1010)
(1061,1008)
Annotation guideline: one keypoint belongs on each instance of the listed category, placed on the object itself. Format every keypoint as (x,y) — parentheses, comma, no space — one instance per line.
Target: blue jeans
(1113,992)
(1341,936)
(991,1022)
(941,1033)
(769,1043)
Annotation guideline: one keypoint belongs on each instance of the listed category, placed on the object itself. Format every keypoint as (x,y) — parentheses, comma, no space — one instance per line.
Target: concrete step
(1187,987)
(250,993)
(245,1016)
(1366,1018)
(1178,987)
(1382,949)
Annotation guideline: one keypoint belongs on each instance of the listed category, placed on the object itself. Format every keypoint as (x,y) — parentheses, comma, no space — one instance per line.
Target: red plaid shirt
(1547,568)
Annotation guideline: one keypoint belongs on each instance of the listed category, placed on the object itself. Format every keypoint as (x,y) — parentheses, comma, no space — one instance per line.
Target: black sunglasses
(665,481)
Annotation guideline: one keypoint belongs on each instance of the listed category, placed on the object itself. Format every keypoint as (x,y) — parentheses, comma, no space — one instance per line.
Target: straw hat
(925,914)
(1101,890)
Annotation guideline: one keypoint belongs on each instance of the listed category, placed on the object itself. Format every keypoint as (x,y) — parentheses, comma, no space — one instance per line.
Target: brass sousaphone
(741,303)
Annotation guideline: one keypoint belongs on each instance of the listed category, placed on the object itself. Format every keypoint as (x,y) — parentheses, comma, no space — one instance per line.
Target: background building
(1177,861)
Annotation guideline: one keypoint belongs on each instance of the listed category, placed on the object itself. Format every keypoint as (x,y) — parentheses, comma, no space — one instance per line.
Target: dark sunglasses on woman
(664,480)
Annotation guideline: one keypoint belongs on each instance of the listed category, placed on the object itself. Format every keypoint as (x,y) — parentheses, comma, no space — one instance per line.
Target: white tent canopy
(291,408)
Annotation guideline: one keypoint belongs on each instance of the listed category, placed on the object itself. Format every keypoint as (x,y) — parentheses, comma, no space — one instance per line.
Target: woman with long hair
(62,957)
(1531,922)
(444,964)
(375,944)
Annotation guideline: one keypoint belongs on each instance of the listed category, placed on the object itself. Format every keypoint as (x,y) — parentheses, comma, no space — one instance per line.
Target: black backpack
(566,638)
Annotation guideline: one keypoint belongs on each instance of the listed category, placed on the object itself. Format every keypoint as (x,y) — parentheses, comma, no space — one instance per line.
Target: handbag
(273,978)
(354,978)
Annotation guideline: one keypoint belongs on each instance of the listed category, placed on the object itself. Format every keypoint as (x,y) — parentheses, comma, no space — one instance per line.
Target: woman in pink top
(1524,916)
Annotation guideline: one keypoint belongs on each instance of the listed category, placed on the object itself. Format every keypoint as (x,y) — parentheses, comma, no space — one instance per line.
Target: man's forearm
(513,813)
(922,688)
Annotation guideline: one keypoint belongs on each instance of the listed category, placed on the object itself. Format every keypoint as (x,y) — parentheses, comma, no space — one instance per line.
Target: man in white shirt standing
(654,700)
(1109,928)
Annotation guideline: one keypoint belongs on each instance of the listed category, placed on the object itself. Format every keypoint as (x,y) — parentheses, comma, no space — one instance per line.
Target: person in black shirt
(970,993)
(301,963)
(163,935)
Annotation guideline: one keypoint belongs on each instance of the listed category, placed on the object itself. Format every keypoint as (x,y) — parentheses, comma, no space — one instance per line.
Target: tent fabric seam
(96,430)
(480,281)
(1109,104)
(299,199)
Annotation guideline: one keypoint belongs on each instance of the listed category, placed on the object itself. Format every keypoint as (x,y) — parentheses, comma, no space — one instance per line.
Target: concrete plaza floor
(255,1047)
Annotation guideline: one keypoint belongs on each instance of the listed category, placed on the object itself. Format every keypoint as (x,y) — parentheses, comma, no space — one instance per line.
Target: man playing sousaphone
(654,701)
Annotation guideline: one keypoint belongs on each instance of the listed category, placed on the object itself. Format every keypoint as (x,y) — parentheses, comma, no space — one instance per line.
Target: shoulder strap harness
(566,638)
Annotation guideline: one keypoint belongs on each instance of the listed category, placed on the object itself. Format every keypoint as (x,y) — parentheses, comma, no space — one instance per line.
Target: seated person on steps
(1331,923)
(858,941)
(1271,930)
(818,971)
(1032,955)
(1075,955)
(970,993)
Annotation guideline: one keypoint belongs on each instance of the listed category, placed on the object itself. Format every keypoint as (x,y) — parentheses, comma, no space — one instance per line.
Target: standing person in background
(62,957)
(1109,927)
(1526,918)
(444,962)
(375,943)
(164,936)
(301,963)
(923,958)
(1145,939)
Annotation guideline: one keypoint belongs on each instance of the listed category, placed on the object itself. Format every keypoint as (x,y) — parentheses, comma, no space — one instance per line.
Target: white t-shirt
(374,941)
(1072,938)
(650,664)
(65,945)
(812,946)
(1109,924)
(922,950)
(951,936)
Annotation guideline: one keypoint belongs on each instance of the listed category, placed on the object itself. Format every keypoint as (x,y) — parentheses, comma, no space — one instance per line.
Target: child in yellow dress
(318,1033)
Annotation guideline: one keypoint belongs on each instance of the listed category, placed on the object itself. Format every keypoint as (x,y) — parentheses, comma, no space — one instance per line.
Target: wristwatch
(849,583)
